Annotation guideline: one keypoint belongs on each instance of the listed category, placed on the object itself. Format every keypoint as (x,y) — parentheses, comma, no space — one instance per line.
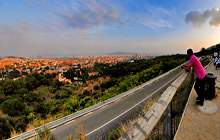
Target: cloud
(197,18)
(51,24)
(86,37)
(47,27)
(89,14)
(26,25)
(158,23)
(7,30)
(155,17)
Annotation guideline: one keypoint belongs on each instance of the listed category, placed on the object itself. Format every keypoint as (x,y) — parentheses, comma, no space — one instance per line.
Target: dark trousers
(200,88)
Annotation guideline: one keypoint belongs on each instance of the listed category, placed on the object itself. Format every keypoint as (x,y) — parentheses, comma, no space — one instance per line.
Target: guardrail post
(167,130)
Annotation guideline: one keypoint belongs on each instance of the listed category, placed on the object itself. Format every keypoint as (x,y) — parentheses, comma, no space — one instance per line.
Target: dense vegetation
(38,97)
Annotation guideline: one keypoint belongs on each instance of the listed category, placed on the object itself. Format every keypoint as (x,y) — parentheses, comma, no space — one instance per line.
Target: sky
(96,27)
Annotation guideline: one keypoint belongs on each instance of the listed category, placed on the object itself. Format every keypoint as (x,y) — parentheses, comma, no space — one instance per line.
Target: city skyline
(92,27)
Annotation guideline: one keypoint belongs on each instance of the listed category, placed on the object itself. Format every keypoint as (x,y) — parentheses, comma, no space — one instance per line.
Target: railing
(162,120)
(75,115)
(169,122)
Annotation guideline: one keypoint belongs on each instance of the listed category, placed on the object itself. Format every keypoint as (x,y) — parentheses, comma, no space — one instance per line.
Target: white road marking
(131,107)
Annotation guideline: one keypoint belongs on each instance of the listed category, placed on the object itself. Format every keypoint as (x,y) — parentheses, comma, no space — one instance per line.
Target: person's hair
(190,51)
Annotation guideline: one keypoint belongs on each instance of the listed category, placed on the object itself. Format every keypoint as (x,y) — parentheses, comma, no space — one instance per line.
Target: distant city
(59,64)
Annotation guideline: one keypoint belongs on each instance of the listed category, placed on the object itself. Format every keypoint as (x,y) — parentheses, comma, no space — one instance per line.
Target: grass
(44,134)
(81,135)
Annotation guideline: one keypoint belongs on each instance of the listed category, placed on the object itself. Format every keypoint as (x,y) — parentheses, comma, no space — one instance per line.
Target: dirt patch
(92,83)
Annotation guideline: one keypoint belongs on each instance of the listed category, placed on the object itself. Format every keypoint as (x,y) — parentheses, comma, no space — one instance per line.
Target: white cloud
(197,18)
(157,23)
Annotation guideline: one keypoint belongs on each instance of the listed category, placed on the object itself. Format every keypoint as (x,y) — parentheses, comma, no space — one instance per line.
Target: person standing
(200,76)
(216,60)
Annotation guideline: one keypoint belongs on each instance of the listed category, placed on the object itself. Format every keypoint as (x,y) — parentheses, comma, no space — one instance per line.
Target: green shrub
(114,135)
(13,107)
(5,128)
(22,91)
(41,108)
(72,103)
(21,124)
(30,97)
(45,134)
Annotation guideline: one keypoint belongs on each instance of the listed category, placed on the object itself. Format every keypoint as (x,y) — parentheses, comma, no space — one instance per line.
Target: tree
(24,73)
(14,74)
(8,87)
(70,74)
(83,101)
(22,91)
(202,51)
(46,68)
(32,83)
(30,97)
(96,87)
(84,94)
(72,103)
(41,108)
(2,96)
(13,107)
(109,83)
(85,74)
(5,128)
(20,83)
(21,124)
(44,81)
(79,66)
(57,84)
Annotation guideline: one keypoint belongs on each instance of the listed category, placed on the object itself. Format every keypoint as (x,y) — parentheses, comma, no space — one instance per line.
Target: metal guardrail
(161,121)
(143,127)
(77,114)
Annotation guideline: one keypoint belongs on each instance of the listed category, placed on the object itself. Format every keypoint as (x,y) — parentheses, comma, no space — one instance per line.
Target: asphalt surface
(95,124)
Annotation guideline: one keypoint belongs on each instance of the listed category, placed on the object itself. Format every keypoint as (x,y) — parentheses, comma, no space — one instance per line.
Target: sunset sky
(93,27)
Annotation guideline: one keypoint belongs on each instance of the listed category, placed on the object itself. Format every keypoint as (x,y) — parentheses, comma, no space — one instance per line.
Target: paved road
(96,123)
